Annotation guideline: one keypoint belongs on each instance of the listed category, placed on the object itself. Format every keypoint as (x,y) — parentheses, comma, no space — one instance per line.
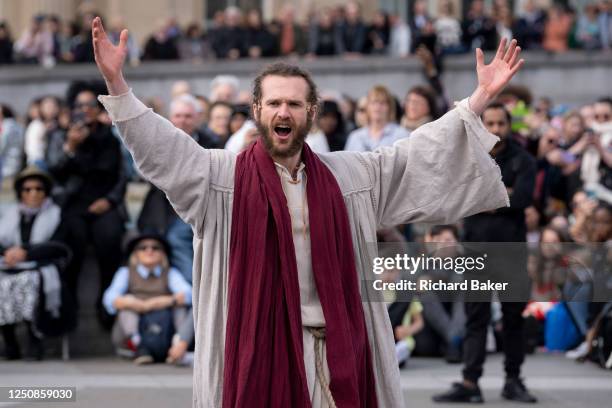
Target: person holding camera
(89,168)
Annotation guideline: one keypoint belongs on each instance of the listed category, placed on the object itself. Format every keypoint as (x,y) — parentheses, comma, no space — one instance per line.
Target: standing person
(230,40)
(322,35)
(255,222)
(11,143)
(478,28)
(501,225)
(260,42)
(351,34)
(6,44)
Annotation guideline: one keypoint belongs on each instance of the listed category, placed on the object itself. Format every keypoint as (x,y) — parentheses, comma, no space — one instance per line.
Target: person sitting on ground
(32,220)
(144,293)
(405,316)
(444,319)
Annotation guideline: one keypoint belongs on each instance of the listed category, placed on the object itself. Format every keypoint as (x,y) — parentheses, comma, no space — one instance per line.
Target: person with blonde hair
(146,292)
(381,128)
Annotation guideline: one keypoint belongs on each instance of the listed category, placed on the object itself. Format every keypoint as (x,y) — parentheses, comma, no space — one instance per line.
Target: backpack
(156,329)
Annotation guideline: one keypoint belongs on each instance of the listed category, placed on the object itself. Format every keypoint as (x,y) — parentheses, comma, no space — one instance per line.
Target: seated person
(147,292)
(444,320)
(404,314)
(31,221)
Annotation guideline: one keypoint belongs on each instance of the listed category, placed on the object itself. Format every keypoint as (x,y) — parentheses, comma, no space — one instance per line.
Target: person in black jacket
(529,28)
(230,40)
(89,168)
(351,34)
(322,35)
(479,30)
(502,225)
(6,44)
(260,42)
(161,45)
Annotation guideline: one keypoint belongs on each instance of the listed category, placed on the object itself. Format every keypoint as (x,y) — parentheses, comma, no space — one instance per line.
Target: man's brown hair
(285,70)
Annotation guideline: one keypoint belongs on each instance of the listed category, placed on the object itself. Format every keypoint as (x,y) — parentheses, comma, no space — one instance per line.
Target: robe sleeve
(166,156)
(440,174)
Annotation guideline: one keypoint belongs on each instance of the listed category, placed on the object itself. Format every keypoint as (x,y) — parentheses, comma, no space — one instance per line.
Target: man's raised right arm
(165,155)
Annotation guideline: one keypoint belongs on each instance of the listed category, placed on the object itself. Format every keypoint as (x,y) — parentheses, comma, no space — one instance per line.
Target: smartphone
(77,119)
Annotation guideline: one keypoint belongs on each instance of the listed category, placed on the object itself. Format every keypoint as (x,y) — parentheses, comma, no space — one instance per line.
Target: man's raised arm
(165,155)
(443,171)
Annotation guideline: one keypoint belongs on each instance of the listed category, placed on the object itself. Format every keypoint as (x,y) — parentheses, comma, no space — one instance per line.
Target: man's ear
(313,111)
(256,107)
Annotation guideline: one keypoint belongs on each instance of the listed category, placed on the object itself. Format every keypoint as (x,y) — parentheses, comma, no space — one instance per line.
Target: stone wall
(572,78)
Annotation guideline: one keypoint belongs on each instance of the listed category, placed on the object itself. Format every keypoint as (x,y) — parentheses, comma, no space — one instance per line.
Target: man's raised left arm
(443,171)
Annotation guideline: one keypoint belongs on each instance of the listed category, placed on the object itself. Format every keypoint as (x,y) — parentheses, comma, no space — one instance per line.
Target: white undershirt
(295,192)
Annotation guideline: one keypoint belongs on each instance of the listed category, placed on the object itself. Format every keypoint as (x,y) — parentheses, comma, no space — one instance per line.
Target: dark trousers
(474,345)
(104,232)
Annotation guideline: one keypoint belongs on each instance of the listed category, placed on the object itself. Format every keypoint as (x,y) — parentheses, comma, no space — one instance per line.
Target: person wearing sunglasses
(88,166)
(144,294)
(32,220)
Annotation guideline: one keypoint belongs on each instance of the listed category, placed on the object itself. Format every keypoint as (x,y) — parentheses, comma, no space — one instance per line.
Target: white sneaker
(579,352)
(609,362)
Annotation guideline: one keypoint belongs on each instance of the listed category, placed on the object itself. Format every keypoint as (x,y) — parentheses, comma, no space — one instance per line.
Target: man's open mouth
(282,131)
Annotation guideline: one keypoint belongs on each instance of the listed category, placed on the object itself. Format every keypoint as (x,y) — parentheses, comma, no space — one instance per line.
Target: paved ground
(116,383)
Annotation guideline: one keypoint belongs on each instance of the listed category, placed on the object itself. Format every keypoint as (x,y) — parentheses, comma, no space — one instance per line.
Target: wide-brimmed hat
(33,172)
(133,243)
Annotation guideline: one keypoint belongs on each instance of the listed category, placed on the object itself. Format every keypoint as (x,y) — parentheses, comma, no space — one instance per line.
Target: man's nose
(283,110)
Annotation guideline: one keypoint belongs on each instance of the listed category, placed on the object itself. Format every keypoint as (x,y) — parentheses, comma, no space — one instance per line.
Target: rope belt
(319,334)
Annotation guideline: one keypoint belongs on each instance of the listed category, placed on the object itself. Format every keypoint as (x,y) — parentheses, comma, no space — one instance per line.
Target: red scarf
(264,356)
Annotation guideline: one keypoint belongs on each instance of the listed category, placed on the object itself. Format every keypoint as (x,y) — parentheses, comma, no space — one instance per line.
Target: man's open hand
(494,77)
(110,58)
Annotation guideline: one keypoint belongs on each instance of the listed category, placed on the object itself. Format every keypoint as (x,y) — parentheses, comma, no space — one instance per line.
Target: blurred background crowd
(71,174)
(328,31)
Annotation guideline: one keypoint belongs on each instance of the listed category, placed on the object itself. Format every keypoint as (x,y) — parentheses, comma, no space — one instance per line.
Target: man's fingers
(123,38)
(518,66)
(501,48)
(510,51)
(479,58)
(101,27)
(515,55)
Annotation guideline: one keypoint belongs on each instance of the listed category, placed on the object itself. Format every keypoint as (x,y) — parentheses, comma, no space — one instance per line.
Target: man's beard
(296,143)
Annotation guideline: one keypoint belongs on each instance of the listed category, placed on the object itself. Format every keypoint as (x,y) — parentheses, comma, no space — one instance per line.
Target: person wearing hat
(147,288)
(33,219)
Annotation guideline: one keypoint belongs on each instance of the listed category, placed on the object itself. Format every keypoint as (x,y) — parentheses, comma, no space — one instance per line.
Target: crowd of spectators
(340,30)
(556,163)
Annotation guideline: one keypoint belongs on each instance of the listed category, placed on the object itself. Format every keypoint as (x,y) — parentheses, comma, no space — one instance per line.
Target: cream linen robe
(441,173)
